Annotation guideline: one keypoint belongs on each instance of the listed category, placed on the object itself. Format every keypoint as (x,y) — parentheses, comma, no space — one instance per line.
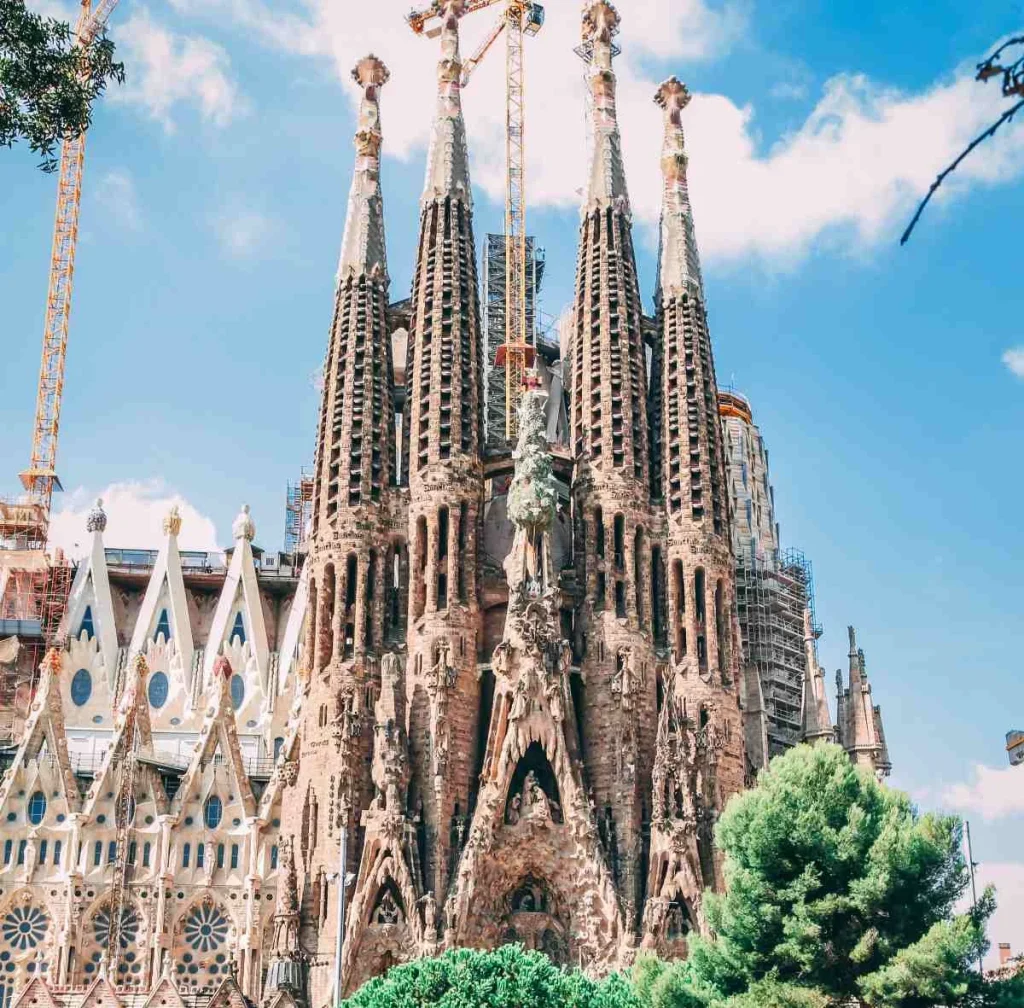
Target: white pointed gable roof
(240,585)
(91,590)
(167,572)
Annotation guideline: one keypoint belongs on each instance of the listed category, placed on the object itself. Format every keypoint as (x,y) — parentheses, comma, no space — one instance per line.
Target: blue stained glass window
(273,857)
(234,855)
(22,844)
(97,852)
(200,855)
(220,855)
(237,691)
(186,852)
(56,852)
(36,808)
(163,626)
(44,849)
(146,848)
(86,624)
(8,851)
(24,927)
(81,687)
(158,689)
(111,852)
(238,630)
(213,812)
(206,928)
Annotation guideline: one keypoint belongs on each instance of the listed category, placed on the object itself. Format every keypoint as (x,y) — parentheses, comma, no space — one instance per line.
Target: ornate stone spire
(97,518)
(860,722)
(606,184)
(817,722)
(679,268)
(448,158)
(363,248)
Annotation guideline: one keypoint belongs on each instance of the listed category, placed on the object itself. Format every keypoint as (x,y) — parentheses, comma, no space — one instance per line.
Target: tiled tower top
(693,482)
(679,270)
(609,384)
(356,446)
(607,179)
(448,158)
(446,365)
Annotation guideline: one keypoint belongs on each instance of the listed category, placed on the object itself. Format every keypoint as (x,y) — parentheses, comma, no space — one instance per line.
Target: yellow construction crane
(518,19)
(40,479)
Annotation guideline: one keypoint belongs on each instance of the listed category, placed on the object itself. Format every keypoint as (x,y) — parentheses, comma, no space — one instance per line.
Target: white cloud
(242,230)
(1007,923)
(854,169)
(165,70)
(993,794)
(117,195)
(135,513)
(1014,360)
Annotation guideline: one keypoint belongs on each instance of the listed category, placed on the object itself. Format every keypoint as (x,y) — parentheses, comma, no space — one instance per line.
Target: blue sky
(883,379)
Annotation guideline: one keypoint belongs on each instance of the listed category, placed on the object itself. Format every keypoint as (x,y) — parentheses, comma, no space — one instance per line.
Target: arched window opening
(36,808)
(420,576)
(638,572)
(620,599)
(238,629)
(351,586)
(371,598)
(157,690)
(163,626)
(721,627)
(237,687)
(81,687)
(278,746)
(657,597)
(463,549)
(442,558)
(599,532)
(325,619)
(533,794)
(86,626)
(699,595)
(388,909)
(619,532)
(213,811)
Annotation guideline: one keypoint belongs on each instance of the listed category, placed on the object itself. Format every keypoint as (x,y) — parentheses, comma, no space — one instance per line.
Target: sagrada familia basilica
(504,699)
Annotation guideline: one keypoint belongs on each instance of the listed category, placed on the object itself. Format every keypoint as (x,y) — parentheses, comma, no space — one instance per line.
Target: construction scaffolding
(771,595)
(298,513)
(496,328)
(34,590)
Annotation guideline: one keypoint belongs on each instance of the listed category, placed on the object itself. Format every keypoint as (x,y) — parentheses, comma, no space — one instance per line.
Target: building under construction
(503,686)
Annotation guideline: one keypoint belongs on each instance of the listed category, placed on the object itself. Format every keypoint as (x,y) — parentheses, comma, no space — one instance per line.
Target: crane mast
(40,479)
(518,19)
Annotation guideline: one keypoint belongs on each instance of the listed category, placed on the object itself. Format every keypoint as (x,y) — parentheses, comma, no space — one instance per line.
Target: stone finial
(244,527)
(52,662)
(97,518)
(172,522)
(600,22)
(853,639)
(370,72)
(141,666)
(222,669)
(673,96)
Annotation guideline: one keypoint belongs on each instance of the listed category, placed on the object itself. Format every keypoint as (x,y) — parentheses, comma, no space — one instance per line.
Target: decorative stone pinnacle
(370,72)
(97,518)
(673,96)
(141,666)
(600,22)
(172,523)
(222,669)
(53,662)
(853,639)
(244,527)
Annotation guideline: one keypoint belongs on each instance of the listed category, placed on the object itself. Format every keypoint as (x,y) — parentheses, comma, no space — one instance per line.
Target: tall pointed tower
(351,548)
(444,412)
(610,489)
(860,722)
(704,666)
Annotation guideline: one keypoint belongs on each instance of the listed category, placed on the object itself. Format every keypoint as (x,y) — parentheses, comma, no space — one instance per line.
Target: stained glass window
(81,687)
(163,626)
(36,808)
(24,927)
(206,928)
(237,691)
(213,811)
(87,623)
(238,630)
(157,689)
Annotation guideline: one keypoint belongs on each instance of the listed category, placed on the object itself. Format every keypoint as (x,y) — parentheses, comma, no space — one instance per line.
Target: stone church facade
(502,699)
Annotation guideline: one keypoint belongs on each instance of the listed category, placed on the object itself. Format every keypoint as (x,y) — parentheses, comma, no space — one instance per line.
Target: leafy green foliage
(508,977)
(837,889)
(47,82)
